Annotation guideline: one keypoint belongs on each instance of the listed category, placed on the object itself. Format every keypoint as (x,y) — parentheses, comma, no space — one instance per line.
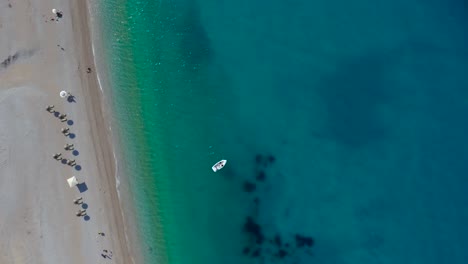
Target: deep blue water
(341,121)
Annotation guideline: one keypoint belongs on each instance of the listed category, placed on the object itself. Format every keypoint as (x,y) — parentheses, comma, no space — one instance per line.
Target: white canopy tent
(72,182)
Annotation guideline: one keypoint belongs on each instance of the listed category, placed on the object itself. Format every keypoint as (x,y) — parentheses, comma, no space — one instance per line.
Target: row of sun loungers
(67,147)
(62,117)
(58,156)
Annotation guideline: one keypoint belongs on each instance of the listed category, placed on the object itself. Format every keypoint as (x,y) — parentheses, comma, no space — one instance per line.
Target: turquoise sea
(344,124)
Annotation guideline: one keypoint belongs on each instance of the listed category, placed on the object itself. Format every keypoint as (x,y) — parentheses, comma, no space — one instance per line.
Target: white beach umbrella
(54,11)
(64,94)
(72,182)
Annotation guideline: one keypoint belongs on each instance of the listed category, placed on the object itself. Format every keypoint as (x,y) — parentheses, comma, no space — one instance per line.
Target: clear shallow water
(361,105)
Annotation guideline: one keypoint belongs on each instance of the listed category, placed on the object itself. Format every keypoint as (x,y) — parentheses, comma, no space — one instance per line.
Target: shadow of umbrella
(82,187)
(71,99)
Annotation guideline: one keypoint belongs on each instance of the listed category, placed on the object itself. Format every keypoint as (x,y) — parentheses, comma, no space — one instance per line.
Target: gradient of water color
(362,104)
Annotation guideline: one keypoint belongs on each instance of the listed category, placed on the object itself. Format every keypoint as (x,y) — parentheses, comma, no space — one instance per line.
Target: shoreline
(100,108)
(126,207)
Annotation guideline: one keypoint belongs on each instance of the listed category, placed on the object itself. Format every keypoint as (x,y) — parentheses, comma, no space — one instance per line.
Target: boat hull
(219,165)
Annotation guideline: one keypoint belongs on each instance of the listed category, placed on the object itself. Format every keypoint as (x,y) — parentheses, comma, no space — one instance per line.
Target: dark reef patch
(278,240)
(277,247)
(261,176)
(249,186)
(302,241)
(246,251)
(264,161)
(282,253)
(254,229)
(257,253)
(271,159)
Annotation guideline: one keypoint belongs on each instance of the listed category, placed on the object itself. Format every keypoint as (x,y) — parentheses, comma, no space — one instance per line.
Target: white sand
(37,217)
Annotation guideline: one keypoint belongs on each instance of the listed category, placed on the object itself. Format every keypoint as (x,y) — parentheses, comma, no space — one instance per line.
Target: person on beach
(58,14)
(69,147)
(81,213)
(109,256)
(78,200)
(50,109)
(65,131)
(63,117)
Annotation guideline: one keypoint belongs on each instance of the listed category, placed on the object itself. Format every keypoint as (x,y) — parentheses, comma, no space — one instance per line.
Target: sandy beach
(39,57)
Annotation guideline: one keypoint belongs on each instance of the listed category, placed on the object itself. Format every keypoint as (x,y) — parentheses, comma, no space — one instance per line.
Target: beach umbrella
(64,94)
(72,182)
(57,13)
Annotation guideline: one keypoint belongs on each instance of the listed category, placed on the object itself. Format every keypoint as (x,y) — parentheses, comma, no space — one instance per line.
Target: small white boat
(219,165)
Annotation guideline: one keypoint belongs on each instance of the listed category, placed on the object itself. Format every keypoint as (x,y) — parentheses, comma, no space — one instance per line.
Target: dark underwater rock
(282,253)
(246,251)
(257,253)
(261,176)
(278,240)
(302,241)
(254,229)
(249,187)
(271,159)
